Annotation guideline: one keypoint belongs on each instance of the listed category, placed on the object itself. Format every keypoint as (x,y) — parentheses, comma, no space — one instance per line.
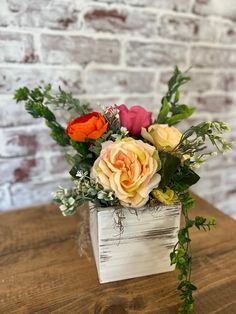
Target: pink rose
(134,119)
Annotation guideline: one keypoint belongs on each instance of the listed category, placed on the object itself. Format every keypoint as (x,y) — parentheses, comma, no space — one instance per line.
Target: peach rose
(162,136)
(128,167)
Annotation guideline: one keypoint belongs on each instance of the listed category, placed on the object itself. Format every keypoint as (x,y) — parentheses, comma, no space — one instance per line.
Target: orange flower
(90,126)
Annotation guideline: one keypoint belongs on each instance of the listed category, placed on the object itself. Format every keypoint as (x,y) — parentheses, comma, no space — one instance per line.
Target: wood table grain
(41,270)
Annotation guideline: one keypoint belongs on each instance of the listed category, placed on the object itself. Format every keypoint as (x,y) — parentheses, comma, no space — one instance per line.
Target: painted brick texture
(110,52)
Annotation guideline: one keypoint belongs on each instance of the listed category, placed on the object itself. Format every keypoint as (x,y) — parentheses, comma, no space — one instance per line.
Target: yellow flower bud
(166,197)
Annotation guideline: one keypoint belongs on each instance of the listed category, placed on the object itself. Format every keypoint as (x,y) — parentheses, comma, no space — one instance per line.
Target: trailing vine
(181,256)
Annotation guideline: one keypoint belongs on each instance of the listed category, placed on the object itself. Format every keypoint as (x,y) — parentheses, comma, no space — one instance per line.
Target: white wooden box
(144,246)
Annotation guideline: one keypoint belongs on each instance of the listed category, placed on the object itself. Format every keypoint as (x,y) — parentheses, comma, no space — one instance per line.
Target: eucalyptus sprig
(171,111)
(181,255)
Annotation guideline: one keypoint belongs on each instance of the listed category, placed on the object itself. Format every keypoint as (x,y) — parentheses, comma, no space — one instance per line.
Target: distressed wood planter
(144,246)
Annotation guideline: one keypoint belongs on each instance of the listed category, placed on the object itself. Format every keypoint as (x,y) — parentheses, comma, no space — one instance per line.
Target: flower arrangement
(129,158)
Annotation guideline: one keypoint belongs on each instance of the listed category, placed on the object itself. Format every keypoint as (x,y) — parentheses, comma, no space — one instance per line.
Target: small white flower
(71,200)
(63,208)
(79,174)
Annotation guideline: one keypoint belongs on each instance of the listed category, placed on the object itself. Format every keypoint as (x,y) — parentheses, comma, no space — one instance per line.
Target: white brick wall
(112,52)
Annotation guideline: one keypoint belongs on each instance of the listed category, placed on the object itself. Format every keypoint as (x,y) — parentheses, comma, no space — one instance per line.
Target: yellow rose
(166,197)
(128,167)
(162,136)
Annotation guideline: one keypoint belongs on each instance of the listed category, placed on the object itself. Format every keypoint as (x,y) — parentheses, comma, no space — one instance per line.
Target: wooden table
(41,270)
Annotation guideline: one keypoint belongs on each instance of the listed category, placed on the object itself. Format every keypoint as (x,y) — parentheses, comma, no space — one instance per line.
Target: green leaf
(180,112)
(182,236)
(162,117)
(173,258)
(212,221)
(170,165)
(177,95)
(81,147)
(83,164)
(38,110)
(189,223)
(199,221)
(21,94)
(171,112)
(185,176)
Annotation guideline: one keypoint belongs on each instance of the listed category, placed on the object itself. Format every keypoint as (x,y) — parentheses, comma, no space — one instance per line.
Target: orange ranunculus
(90,126)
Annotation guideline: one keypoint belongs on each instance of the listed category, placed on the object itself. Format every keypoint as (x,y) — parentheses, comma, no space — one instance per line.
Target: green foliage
(84,164)
(66,101)
(79,163)
(35,105)
(194,140)
(181,255)
(169,165)
(37,102)
(80,147)
(85,189)
(171,111)
(96,146)
(184,178)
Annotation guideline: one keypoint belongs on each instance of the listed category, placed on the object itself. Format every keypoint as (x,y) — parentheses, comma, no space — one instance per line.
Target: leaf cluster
(194,139)
(35,104)
(175,174)
(172,111)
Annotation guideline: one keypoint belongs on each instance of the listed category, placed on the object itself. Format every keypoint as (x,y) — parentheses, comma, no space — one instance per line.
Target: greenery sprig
(171,111)
(85,189)
(37,102)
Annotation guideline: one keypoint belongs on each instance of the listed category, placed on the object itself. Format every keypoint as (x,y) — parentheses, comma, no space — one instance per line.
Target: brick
(13,114)
(176,5)
(5,197)
(212,103)
(200,82)
(35,192)
(58,164)
(225,9)
(23,141)
(54,14)
(16,47)
(13,78)
(118,81)
(154,54)
(226,81)
(227,32)
(17,142)
(78,50)
(202,56)
(119,20)
(21,169)
(180,27)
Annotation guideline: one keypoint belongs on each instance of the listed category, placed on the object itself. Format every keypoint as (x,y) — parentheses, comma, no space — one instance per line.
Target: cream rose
(162,136)
(128,167)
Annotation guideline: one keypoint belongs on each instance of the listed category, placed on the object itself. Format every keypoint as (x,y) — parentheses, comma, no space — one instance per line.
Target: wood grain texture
(41,270)
(143,248)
